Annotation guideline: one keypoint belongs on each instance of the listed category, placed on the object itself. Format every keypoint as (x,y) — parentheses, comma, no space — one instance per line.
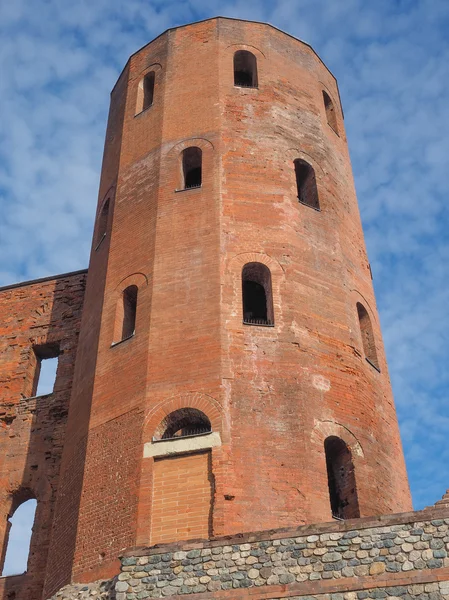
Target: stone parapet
(402,550)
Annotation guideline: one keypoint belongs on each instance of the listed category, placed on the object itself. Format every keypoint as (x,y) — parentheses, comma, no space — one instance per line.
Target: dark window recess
(103,222)
(185,422)
(257,295)
(366,330)
(330,112)
(148,90)
(341,479)
(306,184)
(129,311)
(192,167)
(145,92)
(245,69)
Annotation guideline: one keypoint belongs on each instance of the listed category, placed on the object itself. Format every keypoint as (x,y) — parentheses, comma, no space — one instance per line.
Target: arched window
(306,184)
(103,223)
(184,422)
(257,295)
(18,534)
(341,479)
(145,92)
(192,167)
(366,330)
(245,69)
(330,111)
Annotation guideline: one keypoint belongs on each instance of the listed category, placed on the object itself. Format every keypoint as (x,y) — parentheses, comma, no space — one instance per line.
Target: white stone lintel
(181,445)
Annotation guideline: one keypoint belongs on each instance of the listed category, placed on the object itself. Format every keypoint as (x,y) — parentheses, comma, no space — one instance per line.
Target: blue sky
(59,61)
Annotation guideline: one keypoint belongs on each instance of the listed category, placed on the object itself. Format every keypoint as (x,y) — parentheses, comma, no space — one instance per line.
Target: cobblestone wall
(357,553)
(395,556)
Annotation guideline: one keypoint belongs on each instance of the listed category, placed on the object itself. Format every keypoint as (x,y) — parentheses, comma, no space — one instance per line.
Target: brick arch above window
(196,400)
(138,279)
(253,49)
(325,429)
(293,154)
(202,143)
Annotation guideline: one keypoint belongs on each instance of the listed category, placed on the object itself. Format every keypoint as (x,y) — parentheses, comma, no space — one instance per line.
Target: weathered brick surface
(182,498)
(275,393)
(32,429)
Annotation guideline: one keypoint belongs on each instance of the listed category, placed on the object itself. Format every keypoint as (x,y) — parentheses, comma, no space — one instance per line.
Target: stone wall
(393,556)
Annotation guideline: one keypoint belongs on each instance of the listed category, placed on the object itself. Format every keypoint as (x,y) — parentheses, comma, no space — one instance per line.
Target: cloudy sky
(59,61)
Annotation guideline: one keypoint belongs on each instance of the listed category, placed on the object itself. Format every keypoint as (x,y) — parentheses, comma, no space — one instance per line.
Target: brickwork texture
(290,379)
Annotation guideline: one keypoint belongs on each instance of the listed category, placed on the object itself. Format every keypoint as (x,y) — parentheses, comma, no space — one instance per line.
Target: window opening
(341,479)
(103,222)
(330,112)
(129,311)
(245,69)
(184,422)
(306,184)
(18,537)
(366,330)
(257,295)
(47,358)
(145,92)
(192,167)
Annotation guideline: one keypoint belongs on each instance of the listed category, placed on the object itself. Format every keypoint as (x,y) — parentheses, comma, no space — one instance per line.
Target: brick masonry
(32,429)
(273,395)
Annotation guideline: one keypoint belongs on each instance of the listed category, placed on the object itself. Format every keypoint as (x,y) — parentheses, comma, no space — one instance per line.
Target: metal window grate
(254,321)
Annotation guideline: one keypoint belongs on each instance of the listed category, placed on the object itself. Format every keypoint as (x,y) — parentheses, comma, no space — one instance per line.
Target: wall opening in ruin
(306,184)
(257,295)
(245,69)
(19,530)
(341,479)
(46,359)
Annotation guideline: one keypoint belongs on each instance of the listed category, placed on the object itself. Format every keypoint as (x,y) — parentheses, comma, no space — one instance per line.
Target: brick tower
(230,374)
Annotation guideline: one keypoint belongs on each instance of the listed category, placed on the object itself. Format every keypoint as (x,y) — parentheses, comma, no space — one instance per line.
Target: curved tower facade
(230,373)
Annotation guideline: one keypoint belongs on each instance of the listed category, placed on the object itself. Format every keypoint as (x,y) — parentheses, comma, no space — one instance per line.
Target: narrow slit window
(306,184)
(257,295)
(46,359)
(18,537)
(245,69)
(330,111)
(192,167)
(129,311)
(341,479)
(366,330)
(103,222)
(145,92)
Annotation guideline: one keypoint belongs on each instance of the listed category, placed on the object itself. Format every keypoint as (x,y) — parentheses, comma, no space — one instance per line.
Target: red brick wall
(32,430)
(278,392)
(182,498)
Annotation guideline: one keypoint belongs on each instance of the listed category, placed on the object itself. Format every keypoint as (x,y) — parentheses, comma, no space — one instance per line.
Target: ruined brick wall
(32,428)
